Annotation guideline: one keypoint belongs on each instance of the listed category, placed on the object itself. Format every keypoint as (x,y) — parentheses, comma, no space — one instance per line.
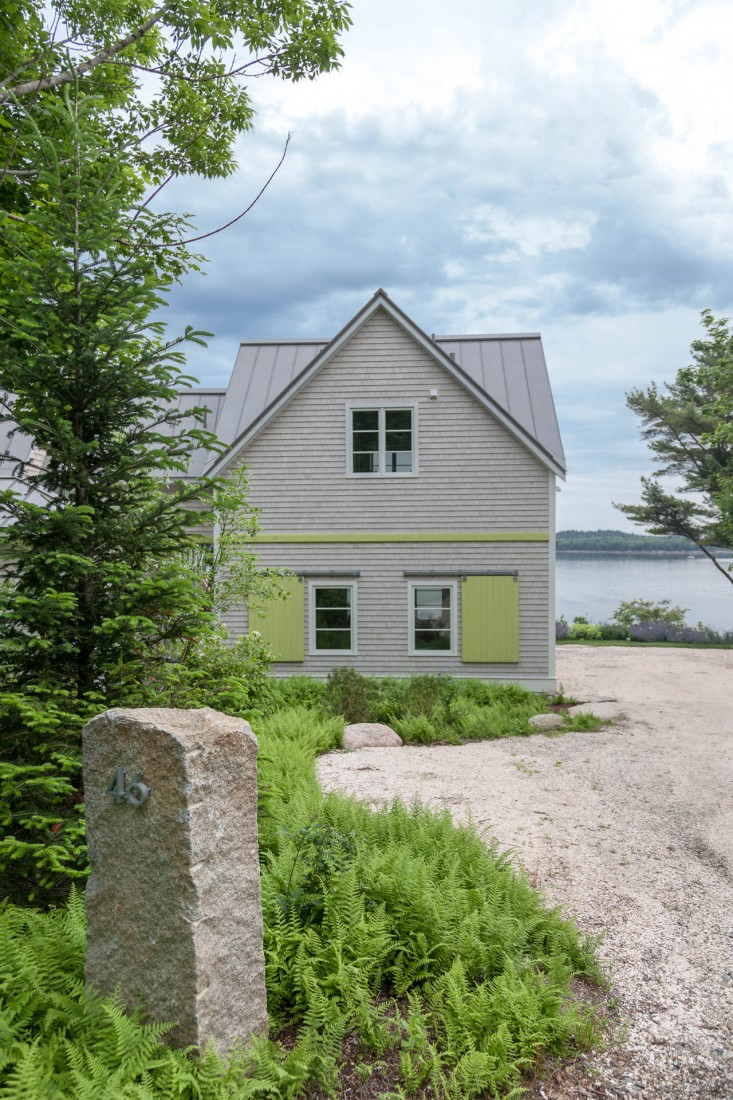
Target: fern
(356,903)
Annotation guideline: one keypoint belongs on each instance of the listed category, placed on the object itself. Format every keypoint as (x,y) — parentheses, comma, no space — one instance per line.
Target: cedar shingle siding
(475,476)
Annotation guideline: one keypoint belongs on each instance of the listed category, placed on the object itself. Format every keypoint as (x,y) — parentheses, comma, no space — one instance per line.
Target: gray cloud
(539,207)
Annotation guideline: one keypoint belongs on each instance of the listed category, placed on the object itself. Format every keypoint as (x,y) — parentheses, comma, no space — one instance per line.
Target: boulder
(370,735)
(608,710)
(547,721)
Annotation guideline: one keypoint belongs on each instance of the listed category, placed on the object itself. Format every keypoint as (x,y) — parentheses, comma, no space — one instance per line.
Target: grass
(396,943)
(643,645)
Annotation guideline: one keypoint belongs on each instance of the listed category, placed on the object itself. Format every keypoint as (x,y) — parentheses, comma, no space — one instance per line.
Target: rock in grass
(547,721)
(370,735)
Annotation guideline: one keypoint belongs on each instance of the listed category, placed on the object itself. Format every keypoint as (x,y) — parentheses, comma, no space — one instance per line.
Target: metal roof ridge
(278,343)
(491,336)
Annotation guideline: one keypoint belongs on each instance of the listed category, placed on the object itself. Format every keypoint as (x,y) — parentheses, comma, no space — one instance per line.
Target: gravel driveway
(630,829)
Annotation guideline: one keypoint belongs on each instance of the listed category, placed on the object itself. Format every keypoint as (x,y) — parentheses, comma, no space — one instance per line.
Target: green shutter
(284,627)
(490,619)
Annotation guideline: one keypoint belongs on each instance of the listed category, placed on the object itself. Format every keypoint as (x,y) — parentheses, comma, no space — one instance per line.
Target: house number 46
(132,791)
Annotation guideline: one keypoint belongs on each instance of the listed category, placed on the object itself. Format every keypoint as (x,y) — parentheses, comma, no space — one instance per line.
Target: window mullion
(382,442)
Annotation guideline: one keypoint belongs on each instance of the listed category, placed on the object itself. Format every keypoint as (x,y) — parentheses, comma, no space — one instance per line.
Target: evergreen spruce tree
(104,593)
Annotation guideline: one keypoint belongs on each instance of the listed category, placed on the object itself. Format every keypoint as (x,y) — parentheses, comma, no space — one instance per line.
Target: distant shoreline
(597,552)
(571,541)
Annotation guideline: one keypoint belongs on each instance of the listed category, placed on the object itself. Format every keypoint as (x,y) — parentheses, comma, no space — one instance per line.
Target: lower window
(432,618)
(332,618)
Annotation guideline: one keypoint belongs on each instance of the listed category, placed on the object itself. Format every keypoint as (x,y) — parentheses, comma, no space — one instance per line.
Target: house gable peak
(268,374)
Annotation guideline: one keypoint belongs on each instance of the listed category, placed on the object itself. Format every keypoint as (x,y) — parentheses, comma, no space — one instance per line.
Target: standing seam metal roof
(512,370)
(262,371)
(508,369)
(211,399)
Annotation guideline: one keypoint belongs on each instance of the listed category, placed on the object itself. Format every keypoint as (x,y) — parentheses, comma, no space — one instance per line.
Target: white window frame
(432,582)
(328,582)
(381,407)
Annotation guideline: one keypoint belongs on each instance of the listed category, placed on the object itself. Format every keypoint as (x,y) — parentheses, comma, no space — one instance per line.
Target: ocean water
(594,585)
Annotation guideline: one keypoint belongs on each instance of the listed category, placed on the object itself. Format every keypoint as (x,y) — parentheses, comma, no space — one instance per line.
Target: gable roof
(507,374)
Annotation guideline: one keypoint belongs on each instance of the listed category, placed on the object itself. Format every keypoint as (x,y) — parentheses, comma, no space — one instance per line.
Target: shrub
(670,629)
(424,694)
(42,846)
(426,709)
(581,630)
(490,694)
(674,632)
(613,632)
(42,843)
(351,695)
(231,678)
(633,612)
(417,729)
(656,632)
(705,635)
(296,691)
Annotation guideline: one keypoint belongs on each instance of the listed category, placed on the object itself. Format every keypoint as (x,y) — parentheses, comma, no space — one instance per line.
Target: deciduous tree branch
(70,75)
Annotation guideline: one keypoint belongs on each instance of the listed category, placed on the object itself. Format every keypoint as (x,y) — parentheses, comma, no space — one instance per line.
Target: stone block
(173,901)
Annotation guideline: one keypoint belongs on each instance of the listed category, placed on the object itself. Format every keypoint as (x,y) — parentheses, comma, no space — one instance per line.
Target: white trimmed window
(381,440)
(332,615)
(432,619)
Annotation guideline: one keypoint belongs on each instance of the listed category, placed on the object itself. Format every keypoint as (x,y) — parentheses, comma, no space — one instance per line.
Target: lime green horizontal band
(414,536)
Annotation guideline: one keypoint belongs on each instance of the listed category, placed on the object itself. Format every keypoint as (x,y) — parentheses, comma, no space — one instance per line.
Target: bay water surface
(594,585)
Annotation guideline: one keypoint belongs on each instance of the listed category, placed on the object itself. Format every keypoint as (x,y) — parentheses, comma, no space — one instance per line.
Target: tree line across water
(607,541)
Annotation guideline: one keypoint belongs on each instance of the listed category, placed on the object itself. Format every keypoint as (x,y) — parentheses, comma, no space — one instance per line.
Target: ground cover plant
(423,709)
(395,932)
(637,622)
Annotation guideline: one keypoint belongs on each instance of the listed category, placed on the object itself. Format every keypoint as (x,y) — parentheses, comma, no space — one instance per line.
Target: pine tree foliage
(688,426)
(94,588)
(87,374)
(108,597)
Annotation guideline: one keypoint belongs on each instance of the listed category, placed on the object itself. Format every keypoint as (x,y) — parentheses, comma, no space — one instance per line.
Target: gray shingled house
(408,482)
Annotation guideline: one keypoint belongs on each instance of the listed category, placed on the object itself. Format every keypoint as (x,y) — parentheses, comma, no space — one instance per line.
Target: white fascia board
(380,301)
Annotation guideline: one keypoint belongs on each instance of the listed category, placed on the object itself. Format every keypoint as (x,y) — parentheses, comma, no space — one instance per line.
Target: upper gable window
(382,440)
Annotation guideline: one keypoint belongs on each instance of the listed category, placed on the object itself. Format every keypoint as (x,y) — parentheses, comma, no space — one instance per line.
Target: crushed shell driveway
(630,830)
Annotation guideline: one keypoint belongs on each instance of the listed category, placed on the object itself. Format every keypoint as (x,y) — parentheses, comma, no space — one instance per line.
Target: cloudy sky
(564,168)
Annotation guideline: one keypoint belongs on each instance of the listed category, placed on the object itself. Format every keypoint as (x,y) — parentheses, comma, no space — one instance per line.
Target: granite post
(173,901)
